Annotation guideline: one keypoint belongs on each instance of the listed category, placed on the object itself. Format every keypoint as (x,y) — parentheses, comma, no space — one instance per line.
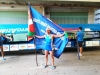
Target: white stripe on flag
(30,21)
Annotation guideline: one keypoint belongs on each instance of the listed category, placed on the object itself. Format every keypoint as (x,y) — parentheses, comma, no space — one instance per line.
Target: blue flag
(40,24)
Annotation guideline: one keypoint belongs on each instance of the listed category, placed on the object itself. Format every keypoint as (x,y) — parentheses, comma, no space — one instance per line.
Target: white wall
(91,15)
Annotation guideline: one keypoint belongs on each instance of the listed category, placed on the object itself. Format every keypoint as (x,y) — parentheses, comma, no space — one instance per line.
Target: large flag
(40,24)
(31,30)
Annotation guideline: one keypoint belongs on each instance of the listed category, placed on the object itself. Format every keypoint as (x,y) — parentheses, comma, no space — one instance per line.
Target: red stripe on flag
(31,28)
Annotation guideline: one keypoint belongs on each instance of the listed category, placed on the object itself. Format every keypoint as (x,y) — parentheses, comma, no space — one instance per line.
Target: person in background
(1,44)
(4,40)
(80,35)
(49,45)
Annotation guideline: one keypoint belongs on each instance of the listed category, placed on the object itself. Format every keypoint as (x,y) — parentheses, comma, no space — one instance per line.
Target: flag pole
(35,52)
(77,48)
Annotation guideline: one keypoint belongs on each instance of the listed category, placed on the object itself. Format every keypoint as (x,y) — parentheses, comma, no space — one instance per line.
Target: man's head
(48,30)
(80,28)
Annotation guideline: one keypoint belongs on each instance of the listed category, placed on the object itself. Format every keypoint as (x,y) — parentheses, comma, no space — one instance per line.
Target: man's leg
(52,57)
(46,57)
(2,53)
(80,48)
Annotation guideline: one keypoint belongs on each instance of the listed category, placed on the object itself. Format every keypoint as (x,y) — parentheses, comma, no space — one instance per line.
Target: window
(20,37)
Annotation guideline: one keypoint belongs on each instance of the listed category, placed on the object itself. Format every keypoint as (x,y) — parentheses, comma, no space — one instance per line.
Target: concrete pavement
(67,64)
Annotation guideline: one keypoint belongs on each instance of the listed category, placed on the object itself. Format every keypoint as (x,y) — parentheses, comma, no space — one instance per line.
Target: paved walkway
(67,64)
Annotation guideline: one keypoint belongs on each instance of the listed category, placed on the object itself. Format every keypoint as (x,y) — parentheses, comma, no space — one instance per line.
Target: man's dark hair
(80,28)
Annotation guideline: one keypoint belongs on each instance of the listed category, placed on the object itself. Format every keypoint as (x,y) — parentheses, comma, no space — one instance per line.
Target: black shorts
(80,43)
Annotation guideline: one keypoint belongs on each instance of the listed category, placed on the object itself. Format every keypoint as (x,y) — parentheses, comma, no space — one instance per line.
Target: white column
(91,15)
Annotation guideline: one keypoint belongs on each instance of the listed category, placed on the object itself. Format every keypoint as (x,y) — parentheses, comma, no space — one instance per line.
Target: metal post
(77,48)
(35,53)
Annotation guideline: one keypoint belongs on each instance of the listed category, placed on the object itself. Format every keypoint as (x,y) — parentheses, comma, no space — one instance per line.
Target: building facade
(60,11)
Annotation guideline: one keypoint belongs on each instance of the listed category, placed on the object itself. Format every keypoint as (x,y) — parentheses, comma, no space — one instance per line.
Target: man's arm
(60,35)
(6,36)
(77,34)
(39,36)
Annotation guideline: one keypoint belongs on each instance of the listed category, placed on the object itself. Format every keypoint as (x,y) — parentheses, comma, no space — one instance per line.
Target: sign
(5,47)
(14,47)
(95,43)
(22,46)
(69,44)
(13,28)
(31,46)
(88,43)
